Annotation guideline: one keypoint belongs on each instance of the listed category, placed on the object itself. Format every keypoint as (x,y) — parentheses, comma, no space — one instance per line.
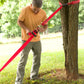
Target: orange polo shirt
(31,21)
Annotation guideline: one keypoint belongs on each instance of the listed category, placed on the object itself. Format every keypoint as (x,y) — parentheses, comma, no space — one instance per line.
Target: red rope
(70,3)
(74,2)
(26,43)
(17,52)
(51,16)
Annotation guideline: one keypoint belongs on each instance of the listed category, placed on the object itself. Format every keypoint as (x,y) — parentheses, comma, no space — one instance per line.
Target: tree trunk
(64,20)
(69,20)
(73,41)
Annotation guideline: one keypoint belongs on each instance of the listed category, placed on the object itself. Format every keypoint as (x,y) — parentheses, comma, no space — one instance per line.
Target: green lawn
(52,69)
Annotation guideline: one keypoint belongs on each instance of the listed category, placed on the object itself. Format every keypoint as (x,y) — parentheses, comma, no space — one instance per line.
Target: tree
(50,6)
(81,12)
(10,12)
(69,20)
(9,19)
(2,2)
(0,24)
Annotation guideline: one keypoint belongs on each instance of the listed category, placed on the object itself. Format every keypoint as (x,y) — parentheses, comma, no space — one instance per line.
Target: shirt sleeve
(22,15)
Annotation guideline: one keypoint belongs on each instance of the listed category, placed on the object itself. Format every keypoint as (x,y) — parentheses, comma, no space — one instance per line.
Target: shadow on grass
(81,76)
(57,76)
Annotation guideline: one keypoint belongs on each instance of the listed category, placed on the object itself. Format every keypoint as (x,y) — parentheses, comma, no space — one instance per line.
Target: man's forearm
(45,27)
(22,25)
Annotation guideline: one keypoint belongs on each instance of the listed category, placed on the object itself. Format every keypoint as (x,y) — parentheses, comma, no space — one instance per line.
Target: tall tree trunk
(73,41)
(64,20)
(69,20)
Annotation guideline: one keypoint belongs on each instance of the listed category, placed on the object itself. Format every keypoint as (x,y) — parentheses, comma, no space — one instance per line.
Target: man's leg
(36,60)
(22,63)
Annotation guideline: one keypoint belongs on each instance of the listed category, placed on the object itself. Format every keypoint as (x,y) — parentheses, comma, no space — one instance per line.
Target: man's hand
(27,31)
(42,28)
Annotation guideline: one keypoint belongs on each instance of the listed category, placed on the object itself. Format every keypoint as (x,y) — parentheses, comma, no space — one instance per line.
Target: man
(29,18)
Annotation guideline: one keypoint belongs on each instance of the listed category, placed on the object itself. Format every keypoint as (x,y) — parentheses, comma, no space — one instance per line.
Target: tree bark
(69,20)
(73,41)
(64,20)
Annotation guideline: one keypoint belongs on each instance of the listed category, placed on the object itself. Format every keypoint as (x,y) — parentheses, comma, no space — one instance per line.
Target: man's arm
(43,28)
(22,25)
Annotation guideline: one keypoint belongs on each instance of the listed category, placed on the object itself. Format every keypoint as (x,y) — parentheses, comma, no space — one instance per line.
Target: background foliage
(10,9)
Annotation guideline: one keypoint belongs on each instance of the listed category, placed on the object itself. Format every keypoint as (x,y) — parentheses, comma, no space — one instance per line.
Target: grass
(50,63)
